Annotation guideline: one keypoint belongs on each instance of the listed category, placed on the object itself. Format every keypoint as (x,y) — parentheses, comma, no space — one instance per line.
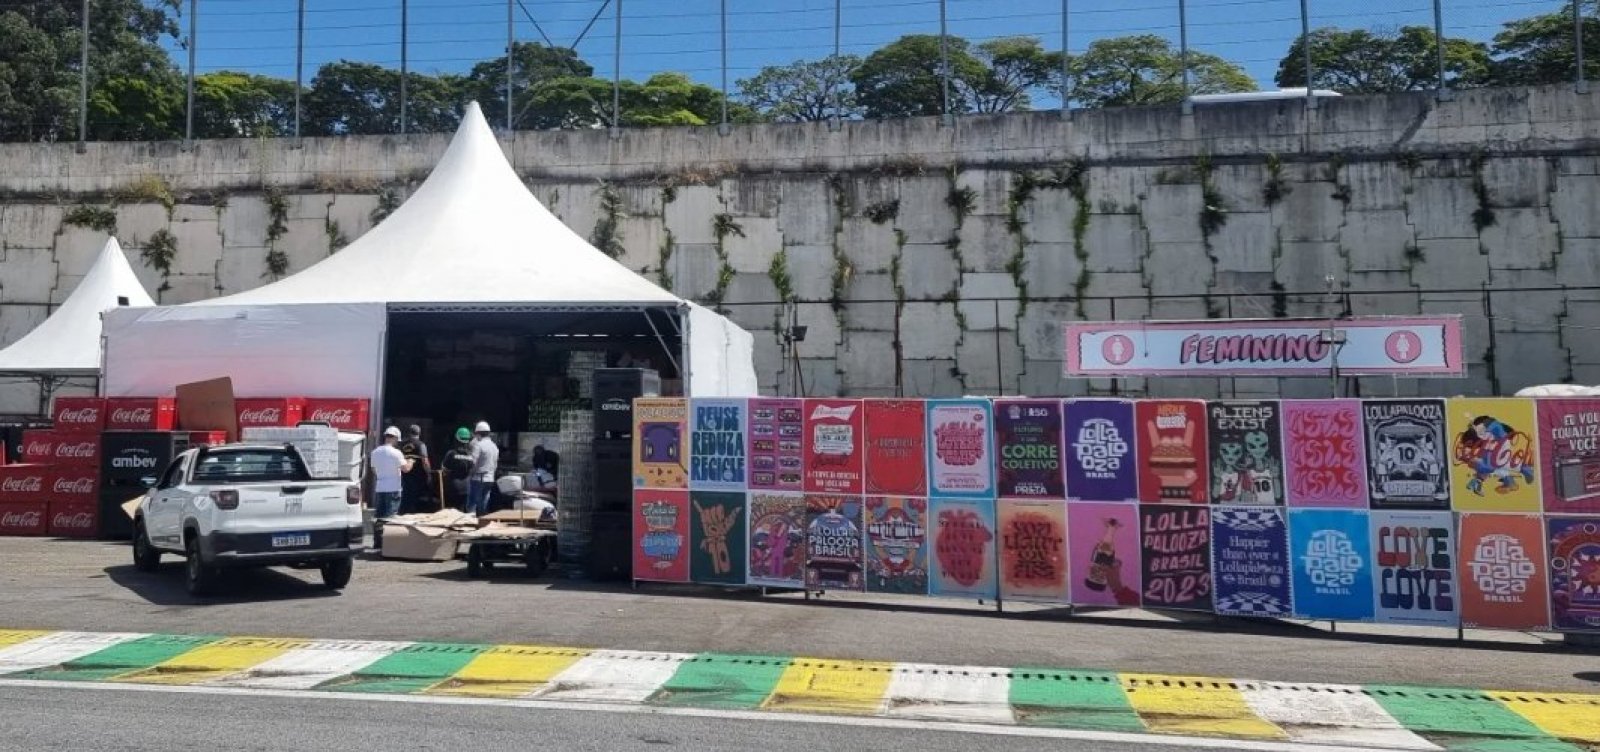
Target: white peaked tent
(68,342)
(472,238)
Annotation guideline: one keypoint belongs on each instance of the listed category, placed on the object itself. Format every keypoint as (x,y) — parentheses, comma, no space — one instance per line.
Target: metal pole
(724,14)
(511,63)
(944,63)
(188,120)
(1438,41)
(838,107)
(1577,41)
(1305,42)
(616,76)
(299,61)
(1183,49)
(1066,63)
(83,82)
(405,68)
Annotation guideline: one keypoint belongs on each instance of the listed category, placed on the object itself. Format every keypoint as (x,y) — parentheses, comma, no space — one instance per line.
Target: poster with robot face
(1407,456)
(1246,453)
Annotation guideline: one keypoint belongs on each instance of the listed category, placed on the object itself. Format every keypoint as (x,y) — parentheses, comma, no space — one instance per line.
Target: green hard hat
(462,434)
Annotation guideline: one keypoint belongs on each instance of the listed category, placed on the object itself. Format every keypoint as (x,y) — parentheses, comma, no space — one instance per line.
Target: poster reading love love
(960,449)
(660,535)
(964,543)
(1332,562)
(1028,434)
(833,446)
(1101,462)
(1416,568)
(897,545)
(1569,454)
(897,449)
(777,539)
(1324,456)
(717,537)
(1171,438)
(1176,541)
(777,444)
(1502,572)
(1033,550)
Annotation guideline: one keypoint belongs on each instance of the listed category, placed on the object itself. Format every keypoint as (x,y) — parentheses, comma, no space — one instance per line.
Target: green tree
(137,108)
(1357,61)
(804,90)
(902,78)
(229,104)
(1016,67)
(1541,49)
(351,98)
(1145,69)
(537,66)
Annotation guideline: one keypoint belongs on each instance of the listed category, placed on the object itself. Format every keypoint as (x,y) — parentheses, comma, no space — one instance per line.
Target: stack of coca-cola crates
(140,440)
(52,491)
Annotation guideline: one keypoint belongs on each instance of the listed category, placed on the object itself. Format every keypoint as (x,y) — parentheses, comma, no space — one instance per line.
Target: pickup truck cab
(247,505)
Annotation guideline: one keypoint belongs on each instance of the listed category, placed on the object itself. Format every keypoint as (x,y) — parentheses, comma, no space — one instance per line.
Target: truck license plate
(286,541)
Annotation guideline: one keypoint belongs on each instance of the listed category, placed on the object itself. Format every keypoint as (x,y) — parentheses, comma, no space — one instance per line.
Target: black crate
(610,547)
(613,475)
(115,524)
(614,392)
(132,455)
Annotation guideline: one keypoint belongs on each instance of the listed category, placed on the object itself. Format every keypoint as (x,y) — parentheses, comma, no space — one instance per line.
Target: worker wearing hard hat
(485,458)
(388,464)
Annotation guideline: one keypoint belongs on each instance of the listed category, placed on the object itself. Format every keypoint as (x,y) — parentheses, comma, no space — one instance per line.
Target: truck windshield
(248,466)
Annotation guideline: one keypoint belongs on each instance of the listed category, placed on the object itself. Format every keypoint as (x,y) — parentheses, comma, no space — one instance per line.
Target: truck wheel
(477,566)
(336,573)
(198,577)
(145,556)
(536,559)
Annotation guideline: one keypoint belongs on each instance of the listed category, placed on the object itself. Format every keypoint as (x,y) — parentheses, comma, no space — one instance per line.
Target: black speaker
(115,524)
(610,546)
(613,475)
(614,392)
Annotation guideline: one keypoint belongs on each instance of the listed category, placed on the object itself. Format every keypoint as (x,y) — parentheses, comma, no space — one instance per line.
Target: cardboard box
(418,543)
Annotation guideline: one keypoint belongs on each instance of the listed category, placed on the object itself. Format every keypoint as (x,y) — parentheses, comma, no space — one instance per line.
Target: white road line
(975,694)
(613,676)
(306,667)
(57,648)
(1110,737)
(1329,713)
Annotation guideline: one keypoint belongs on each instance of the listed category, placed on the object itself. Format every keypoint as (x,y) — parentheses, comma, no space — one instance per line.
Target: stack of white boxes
(318,446)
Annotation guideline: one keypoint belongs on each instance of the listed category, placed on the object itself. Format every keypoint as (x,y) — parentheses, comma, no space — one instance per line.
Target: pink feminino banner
(1324,457)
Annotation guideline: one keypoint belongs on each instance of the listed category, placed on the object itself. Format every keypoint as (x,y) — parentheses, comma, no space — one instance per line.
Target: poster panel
(1569,454)
(1415,573)
(1574,573)
(1172,451)
(1176,543)
(897,452)
(1250,562)
(833,446)
(717,537)
(660,456)
(1332,560)
(1246,454)
(777,539)
(1101,462)
(660,535)
(1103,553)
(834,547)
(1028,437)
(963,548)
(1494,463)
(718,454)
(1033,550)
(897,545)
(1502,571)
(1407,467)
(1324,457)
(777,444)
(960,449)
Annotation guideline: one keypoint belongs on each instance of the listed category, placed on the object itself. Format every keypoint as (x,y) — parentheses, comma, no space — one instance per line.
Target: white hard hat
(482,427)
(391,431)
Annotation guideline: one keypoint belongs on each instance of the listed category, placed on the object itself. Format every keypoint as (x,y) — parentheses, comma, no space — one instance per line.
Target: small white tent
(68,342)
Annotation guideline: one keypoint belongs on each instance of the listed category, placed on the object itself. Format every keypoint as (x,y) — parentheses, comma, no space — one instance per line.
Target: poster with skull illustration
(1246,454)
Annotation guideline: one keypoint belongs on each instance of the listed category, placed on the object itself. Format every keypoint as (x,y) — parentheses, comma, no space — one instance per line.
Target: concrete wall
(934,261)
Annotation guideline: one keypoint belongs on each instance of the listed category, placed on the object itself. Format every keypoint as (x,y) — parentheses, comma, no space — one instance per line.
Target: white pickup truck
(247,505)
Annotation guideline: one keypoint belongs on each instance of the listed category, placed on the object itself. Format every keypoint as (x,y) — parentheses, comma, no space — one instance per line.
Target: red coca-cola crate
(276,411)
(24,517)
(74,519)
(141,413)
(56,447)
(72,484)
(20,483)
(81,414)
(343,414)
(207,438)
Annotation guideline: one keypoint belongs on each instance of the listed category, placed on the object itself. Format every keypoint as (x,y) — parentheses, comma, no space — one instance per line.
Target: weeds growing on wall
(883,211)
(723,225)
(1213,205)
(388,201)
(98,218)
(337,240)
(778,272)
(277,225)
(607,235)
(664,258)
(147,189)
(159,252)
(1276,187)
(1482,217)
(962,200)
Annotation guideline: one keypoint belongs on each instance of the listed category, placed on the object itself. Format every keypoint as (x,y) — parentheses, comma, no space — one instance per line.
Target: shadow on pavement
(165,587)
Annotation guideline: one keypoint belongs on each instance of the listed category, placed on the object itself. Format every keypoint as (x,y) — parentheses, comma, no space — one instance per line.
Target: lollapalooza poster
(777,539)
(1574,550)
(1101,462)
(963,548)
(1494,463)
(1415,576)
(1176,543)
(1028,434)
(1502,571)
(1408,462)
(1331,556)
(777,444)
(1033,550)
(717,537)
(834,549)
(660,457)
(1246,453)
(1324,460)
(897,545)
(1171,441)
(660,535)
(960,449)
(1103,553)
(717,450)
(1250,562)
(833,446)
(897,448)
(1569,455)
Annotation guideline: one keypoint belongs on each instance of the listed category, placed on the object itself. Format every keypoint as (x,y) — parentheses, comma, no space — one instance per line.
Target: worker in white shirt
(388,465)
(485,458)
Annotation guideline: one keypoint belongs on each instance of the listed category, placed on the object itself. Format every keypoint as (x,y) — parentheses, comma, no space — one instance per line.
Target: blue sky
(683,35)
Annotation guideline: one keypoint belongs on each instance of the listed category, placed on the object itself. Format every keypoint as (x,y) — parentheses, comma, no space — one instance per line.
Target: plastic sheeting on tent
(68,342)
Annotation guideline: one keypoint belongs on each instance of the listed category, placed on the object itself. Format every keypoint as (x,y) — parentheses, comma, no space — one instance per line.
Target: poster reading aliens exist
(1246,453)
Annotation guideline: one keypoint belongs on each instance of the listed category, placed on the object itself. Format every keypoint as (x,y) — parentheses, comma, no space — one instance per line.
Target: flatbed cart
(534,549)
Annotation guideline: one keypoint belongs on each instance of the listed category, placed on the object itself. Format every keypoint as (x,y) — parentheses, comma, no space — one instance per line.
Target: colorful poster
(1250,562)
(1494,462)
(963,548)
(1172,451)
(833,446)
(897,448)
(960,449)
(1332,551)
(897,545)
(1406,462)
(1574,573)
(1415,573)
(717,449)
(777,444)
(660,457)
(1569,454)
(1103,553)
(1033,550)
(1101,463)
(777,539)
(660,535)
(834,549)
(1246,453)
(1176,543)
(717,537)
(1028,437)
(1502,571)
(1324,457)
